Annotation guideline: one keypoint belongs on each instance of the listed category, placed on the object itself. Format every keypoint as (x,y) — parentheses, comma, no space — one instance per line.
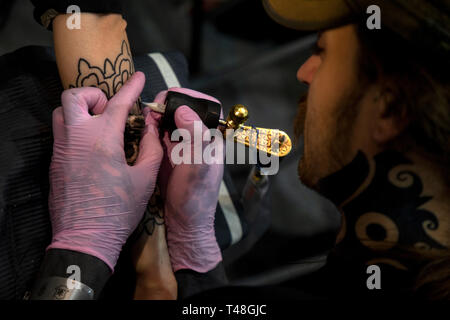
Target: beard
(335,151)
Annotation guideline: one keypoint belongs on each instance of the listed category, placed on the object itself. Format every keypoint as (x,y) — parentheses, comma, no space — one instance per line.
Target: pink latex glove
(96,199)
(190,192)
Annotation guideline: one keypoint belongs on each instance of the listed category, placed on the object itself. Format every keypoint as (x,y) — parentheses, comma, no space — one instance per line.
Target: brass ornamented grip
(271,141)
(237,116)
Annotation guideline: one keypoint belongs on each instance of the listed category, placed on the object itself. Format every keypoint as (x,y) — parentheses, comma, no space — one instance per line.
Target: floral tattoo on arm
(110,77)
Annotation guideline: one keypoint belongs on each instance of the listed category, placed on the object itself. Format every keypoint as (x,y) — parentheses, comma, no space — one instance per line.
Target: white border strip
(166,70)
(230,213)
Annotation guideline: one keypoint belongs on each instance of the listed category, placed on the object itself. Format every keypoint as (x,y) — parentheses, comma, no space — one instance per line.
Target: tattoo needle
(157,107)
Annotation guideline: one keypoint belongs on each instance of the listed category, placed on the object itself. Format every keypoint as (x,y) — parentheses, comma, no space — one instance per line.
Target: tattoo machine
(271,141)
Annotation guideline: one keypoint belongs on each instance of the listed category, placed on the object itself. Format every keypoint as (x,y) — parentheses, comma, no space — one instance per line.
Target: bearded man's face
(334,117)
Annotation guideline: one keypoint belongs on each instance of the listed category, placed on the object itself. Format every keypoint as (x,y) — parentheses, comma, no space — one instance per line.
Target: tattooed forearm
(110,77)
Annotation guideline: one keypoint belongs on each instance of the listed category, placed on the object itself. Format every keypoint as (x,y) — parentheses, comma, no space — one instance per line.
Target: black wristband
(94,273)
(47,9)
(191,282)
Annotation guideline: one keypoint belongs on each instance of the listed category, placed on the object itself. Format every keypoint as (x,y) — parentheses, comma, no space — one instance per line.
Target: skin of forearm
(154,277)
(96,55)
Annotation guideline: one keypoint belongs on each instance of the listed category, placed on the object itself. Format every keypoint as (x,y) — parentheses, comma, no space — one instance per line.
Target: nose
(306,72)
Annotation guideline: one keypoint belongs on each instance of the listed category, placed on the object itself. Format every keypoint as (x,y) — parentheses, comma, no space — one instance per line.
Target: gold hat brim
(309,15)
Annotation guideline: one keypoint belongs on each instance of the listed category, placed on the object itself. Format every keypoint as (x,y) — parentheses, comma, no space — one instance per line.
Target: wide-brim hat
(425,22)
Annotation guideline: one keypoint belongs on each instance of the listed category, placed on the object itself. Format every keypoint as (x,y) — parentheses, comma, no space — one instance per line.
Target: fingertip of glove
(184,113)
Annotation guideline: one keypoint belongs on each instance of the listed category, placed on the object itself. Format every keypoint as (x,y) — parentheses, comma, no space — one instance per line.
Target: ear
(390,119)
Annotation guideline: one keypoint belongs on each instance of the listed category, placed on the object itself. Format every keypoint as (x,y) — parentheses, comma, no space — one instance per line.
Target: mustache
(300,118)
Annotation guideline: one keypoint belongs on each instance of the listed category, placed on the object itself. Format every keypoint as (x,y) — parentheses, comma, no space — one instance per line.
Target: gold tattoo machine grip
(236,117)
(271,141)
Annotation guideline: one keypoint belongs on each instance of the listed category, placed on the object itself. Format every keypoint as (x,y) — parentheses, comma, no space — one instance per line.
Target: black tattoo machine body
(271,141)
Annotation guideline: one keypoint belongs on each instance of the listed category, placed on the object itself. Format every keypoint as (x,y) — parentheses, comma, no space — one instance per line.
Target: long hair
(419,85)
(420,82)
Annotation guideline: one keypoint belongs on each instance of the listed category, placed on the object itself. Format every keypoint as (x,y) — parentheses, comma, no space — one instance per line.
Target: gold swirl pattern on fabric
(342,230)
(394,263)
(375,218)
(364,185)
(401,178)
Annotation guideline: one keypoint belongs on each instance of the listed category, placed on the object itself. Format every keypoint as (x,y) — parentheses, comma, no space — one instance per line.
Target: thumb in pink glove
(96,200)
(190,191)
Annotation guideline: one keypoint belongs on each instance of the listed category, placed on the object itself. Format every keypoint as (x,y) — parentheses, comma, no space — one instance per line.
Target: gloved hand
(96,200)
(190,192)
